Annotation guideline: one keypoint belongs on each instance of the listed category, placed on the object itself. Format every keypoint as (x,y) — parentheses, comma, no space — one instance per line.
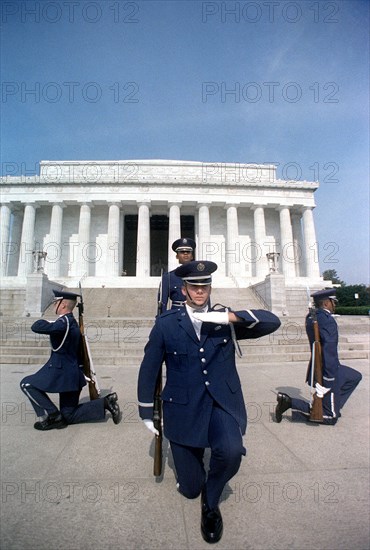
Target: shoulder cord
(237,347)
(238,350)
(64,337)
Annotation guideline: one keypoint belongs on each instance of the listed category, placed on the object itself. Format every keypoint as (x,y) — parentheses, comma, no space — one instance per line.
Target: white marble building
(112,222)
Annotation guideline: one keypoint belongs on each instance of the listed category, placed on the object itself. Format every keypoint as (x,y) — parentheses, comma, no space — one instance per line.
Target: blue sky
(254,82)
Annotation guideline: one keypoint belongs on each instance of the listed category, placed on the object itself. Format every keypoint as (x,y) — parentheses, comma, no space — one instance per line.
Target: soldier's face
(199,294)
(329,305)
(57,306)
(184,256)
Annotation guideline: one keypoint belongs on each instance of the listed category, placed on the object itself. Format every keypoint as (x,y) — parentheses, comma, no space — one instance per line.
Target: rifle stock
(85,355)
(316,413)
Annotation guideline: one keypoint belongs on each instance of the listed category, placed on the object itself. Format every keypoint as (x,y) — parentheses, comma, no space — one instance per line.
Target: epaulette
(322,311)
(170,312)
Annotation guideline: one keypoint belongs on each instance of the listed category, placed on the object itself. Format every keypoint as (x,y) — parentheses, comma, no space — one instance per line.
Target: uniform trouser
(39,399)
(68,404)
(346,381)
(226,443)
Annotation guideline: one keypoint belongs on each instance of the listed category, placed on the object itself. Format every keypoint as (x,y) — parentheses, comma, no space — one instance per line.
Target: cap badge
(201,267)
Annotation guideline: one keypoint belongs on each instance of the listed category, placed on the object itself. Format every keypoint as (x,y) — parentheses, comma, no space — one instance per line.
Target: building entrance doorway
(158,242)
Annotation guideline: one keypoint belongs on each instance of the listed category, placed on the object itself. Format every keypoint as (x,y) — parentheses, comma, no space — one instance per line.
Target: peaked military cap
(198,272)
(325,294)
(64,295)
(183,244)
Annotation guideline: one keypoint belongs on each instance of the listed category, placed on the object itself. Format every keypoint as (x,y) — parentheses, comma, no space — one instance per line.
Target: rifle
(88,367)
(157,421)
(157,409)
(316,413)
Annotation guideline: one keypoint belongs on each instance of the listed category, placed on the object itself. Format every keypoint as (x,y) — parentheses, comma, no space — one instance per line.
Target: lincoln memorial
(112,223)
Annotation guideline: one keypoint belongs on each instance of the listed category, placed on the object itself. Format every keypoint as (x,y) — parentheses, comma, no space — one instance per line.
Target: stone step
(123,337)
(120,360)
(37,351)
(122,340)
(129,301)
(12,301)
(137,348)
(358,322)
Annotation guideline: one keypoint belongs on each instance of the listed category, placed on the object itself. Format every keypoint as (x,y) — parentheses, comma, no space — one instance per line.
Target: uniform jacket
(171,289)
(328,330)
(197,372)
(61,373)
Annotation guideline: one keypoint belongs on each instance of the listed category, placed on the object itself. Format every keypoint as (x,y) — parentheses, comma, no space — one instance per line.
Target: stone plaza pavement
(90,486)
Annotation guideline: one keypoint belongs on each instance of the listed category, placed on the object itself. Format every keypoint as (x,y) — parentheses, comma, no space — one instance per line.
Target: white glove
(149,424)
(218,317)
(321,390)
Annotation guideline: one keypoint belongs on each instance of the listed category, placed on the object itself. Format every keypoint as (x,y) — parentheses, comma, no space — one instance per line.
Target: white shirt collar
(191,309)
(197,324)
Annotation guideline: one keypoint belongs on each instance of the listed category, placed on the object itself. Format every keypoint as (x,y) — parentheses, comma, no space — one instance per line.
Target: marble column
(83,264)
(205,247)
(26,262)
(262,269)
(297,243)
(54,244)
(4,238)
(143,241)
(174,232)
(310,244)
(121,250)
(232,252)
(112,262)
(287,256)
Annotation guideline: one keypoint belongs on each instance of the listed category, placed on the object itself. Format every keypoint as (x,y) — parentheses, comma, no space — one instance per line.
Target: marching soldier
(171,283)
(203,403)
(62,374)
(339,381)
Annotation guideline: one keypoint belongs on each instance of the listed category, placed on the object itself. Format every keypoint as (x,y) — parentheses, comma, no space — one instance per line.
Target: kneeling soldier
(62,374)
(338,381)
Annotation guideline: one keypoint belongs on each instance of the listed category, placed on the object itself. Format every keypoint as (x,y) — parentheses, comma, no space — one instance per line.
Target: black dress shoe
(284,403)
(112,396)
(111,405)
(211,524)
(51,422)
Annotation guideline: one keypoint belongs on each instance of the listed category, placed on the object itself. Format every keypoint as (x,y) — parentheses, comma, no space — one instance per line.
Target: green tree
(332,275)
(346,295)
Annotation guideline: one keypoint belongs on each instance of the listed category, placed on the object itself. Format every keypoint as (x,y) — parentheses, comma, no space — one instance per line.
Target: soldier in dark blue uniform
(62,374)
(171,283)
(339,381)
(203,403)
